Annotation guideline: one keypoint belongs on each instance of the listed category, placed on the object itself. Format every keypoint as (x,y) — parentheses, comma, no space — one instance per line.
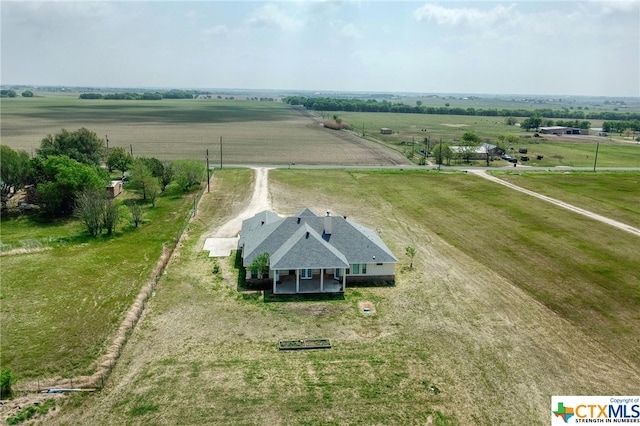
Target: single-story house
(386,131)
(478,152)
(314,254)
(562,130)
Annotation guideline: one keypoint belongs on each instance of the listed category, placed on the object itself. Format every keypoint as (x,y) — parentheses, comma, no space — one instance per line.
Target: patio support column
(321,280)
(344,278)
(297,280)
(274,282)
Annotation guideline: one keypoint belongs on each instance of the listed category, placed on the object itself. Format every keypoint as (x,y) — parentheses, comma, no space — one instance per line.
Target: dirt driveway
(225,238)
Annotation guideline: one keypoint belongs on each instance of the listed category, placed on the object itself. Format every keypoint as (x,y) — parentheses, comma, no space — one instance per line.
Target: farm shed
(314,254)
(562,130)
(478,152)
(114,188)
(386,131)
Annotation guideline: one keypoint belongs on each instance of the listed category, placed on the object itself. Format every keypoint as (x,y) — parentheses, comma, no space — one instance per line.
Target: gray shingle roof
(281,238)
(307,249)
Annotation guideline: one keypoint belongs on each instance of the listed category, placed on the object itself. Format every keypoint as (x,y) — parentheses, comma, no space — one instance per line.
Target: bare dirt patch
(366,308)
(455,125)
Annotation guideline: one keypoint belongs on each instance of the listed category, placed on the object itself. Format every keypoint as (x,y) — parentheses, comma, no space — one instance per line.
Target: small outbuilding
(386,131)
(114,188)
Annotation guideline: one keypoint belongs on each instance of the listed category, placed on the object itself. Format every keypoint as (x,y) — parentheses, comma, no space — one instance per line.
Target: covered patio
(325,282)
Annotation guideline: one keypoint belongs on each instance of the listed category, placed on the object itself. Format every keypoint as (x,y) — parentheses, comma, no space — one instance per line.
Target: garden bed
(294,345)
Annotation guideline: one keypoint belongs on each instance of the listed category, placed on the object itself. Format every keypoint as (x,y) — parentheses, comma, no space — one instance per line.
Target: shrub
(6,381)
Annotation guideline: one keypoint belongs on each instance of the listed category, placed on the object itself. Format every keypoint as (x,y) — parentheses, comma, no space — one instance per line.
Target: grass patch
(32,411)
(61,306)
(611,194)
(141,410)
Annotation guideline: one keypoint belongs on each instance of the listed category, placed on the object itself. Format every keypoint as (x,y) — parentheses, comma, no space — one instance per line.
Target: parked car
(522,150)
(524,158)
(513,160)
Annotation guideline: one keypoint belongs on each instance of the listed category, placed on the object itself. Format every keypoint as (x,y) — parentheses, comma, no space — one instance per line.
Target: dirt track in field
(627,228)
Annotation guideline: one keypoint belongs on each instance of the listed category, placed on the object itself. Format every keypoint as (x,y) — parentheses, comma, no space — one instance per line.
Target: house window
(364,269)
(356,268)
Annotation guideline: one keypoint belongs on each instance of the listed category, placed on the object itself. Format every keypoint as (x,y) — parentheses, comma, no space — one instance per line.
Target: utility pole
(220,152)
(107,139)
(596,160)
(207,170)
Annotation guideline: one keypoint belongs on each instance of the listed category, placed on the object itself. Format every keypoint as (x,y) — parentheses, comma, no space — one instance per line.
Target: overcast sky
(514,47)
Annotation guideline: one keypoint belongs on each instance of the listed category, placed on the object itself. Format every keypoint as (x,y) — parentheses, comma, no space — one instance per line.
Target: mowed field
(509,302)
(252,132)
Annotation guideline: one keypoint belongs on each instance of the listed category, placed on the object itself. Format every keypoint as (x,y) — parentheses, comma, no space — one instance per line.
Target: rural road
(595,216)
(225,238)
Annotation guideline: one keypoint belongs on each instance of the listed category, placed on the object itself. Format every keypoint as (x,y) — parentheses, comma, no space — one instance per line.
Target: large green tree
(119,159)
(471,139)
(188,173)
(142,180)
(60,180)
(14,168)
(441,152)
(532,122)
(81,145)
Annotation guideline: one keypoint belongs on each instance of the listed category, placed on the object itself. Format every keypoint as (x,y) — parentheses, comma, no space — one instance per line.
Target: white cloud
(464,16)
(215,31)
(350,31)
(271,15)
(608,7)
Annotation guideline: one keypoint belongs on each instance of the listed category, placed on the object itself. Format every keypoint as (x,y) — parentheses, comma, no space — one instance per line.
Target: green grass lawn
(61,306)
(611,194)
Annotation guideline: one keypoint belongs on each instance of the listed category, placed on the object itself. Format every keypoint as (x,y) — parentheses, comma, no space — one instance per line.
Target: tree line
(372,105)
(621,126)
(8,93)
(147,96)
(70,172)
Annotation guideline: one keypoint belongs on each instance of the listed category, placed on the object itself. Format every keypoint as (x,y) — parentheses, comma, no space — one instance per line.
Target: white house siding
(384,269)
(373,269)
